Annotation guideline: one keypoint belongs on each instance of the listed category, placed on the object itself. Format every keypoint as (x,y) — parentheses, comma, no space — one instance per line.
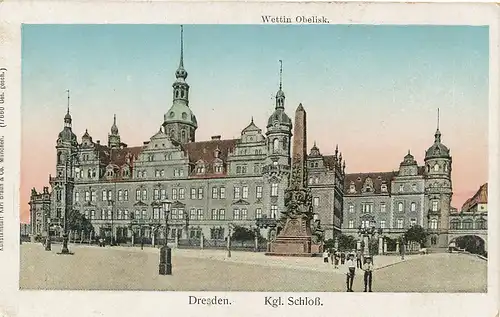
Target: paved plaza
(122,268)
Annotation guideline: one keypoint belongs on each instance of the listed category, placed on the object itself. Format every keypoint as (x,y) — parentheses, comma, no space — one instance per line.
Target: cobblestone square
(120,268)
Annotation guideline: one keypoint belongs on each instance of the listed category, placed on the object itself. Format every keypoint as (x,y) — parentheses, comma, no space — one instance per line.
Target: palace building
(217,182)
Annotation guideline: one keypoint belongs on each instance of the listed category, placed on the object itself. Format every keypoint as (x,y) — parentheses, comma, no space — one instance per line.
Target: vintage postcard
(249,159)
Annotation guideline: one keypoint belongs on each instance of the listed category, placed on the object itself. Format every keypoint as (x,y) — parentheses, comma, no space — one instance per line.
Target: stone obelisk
(295,239)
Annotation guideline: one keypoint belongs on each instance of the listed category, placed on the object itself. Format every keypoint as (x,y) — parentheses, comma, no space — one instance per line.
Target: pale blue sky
(374,90)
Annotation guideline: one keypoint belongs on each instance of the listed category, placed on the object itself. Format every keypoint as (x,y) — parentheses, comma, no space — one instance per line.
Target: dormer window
(200,169)
(383,188)
(352,188)
(110,173)
(436,167)
(218,168)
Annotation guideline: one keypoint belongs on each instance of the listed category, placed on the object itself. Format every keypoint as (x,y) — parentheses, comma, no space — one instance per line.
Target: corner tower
(179,122)
(438,190)
(63,183)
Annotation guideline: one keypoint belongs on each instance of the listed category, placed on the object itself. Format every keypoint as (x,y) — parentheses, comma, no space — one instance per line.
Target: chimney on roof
(216,137)
(98,142)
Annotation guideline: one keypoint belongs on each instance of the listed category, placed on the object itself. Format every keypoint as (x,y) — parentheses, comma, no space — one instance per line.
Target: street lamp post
(48,243)
(187,226)
(229,241)
(165,267)
(111,204)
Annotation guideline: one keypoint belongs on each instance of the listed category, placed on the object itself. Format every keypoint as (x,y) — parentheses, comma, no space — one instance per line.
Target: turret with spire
(438,187)
(66,136)
(279,129)
(114,137)
(179,122)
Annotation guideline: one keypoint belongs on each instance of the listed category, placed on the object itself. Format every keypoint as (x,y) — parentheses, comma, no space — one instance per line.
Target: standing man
(368,268)
(351,270)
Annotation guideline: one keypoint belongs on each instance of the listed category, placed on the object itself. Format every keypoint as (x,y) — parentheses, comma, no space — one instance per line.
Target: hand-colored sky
(374,90)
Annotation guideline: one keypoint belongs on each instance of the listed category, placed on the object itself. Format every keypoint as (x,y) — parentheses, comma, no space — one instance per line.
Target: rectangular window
(200,214)
(144,214)
(244,214)
(87,195)
(173,214)
(200,193)
(77,196)
(258,192)
(193,193)
(192,213)
(137,214)
(174,193)
(382,208)
(92,214)
(434,205)
(413,207)
(274,189)
(400,224)
(236,214)
(163,194)
(181,193)
(237,194)
(181,213)
(351,224)
(413,222)
(367,208)
(110,195)
(258,213)
(401,187)
(138,194)
(120,195)
(316,201)
(125,195)
(274,211)
(222,214)
(93,197)
(104,195)
(215,193)
(86,214)
(156,194)
(351,208)
(223,193)
(144,194)
(214,214)
(382,224)
(245,192)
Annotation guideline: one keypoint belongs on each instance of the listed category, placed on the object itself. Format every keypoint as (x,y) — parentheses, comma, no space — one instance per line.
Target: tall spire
(181,72)
(281,74)
(181,63)
(67,90)
(437,135)
(67,117)
(280,95)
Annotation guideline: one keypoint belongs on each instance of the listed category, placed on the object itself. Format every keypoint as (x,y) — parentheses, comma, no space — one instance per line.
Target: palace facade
(219,181)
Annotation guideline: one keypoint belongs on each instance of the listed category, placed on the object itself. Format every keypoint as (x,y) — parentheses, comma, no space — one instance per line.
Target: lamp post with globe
(165,267)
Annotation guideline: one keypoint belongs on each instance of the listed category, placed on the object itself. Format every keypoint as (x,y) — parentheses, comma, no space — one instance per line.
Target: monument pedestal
(294,240)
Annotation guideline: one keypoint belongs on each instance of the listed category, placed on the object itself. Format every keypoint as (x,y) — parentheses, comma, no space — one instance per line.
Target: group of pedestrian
(353,260)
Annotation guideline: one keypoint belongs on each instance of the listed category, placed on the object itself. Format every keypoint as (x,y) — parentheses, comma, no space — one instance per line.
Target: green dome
(181,113)
(279,116)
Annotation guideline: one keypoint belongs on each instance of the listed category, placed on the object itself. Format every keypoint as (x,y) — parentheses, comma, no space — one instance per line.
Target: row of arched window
(468,224)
